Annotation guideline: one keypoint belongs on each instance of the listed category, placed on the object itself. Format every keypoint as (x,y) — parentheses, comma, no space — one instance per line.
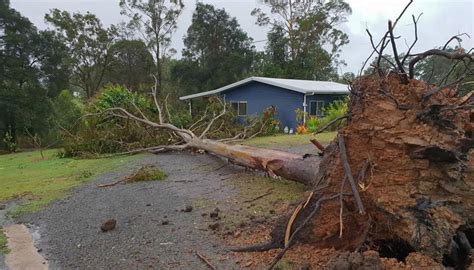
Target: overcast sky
(441,19)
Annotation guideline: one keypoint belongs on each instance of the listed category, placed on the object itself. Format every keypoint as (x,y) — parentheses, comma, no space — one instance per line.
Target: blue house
(253,95)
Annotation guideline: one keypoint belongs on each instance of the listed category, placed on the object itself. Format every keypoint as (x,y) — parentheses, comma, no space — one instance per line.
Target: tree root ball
(419,188)
(412,159)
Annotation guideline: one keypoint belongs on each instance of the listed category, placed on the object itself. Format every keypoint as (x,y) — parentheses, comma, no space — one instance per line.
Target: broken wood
(205,260)
(112,184)
(317,144)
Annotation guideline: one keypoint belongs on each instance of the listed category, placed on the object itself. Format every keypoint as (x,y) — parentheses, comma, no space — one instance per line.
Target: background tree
(304,41)
(386,64)
(156,20)
(442,71)
(31,72)
(131,65)
(88,44)
(217,51)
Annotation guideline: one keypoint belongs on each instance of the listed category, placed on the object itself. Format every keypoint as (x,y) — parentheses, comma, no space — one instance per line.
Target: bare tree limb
(331,123)
(394,47)
(457,55)
(154,91)
(415,22)
(125,114)
(457,38)
(212,121)
(385,36)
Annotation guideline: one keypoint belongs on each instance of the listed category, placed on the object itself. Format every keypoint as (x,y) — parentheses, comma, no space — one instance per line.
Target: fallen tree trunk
(275,163)
(295,167)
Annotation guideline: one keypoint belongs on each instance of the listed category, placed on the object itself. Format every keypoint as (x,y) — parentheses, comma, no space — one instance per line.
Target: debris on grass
(145,173)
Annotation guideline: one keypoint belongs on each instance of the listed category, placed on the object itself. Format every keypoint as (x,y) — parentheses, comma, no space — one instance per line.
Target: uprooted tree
(398,178)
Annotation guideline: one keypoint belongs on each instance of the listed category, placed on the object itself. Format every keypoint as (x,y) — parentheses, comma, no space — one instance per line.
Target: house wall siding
(260,96)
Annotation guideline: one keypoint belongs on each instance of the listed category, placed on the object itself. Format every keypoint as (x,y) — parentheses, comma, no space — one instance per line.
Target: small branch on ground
(259,197)
(205,260)
(112,184)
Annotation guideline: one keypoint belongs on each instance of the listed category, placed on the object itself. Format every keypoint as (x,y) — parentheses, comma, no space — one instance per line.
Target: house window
(240,107)
(316,108)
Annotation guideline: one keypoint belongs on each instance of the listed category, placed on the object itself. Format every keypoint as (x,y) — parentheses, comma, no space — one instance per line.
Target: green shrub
(181,119)
(67,110)
(118,96)
(333,111)
(10,142)
(101,134)
(312,123)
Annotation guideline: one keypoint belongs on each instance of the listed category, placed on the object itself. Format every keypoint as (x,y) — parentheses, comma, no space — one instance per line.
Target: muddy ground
(152,230)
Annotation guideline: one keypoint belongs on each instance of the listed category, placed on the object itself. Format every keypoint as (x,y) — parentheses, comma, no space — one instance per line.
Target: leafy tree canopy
(31,72)
(156,20)
(304,41)
(88,44)
(217,51)
(131,65)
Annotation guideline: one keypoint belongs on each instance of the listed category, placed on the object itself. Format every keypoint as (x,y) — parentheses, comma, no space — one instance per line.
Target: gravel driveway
(70,228)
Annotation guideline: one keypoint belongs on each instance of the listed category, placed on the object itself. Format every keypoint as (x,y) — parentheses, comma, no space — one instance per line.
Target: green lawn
(290,140)
(40,181)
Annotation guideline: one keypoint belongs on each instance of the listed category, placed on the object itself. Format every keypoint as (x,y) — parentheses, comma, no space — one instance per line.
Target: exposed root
(259,247)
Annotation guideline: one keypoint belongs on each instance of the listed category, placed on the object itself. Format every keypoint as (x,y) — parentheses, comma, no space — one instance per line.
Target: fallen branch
(205,260)
(347,169)
(112,184)
(331,123)
(259,197)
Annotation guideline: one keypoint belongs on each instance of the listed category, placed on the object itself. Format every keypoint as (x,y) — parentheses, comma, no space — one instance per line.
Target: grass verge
(3,243)
(290,140)
(273,197)
(40,181)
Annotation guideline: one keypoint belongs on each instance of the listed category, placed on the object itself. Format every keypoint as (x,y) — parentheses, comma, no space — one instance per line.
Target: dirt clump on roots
(419,187)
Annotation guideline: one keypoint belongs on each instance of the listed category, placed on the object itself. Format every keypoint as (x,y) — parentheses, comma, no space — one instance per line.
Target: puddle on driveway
(23,254)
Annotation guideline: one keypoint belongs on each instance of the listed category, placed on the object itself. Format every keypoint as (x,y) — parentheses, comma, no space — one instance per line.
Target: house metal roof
(302,86)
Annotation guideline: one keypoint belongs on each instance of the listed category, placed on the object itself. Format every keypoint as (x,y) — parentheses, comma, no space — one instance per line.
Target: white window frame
(319,107)
(238,107)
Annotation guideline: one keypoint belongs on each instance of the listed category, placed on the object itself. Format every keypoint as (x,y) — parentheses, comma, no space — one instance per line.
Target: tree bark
(275,163)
